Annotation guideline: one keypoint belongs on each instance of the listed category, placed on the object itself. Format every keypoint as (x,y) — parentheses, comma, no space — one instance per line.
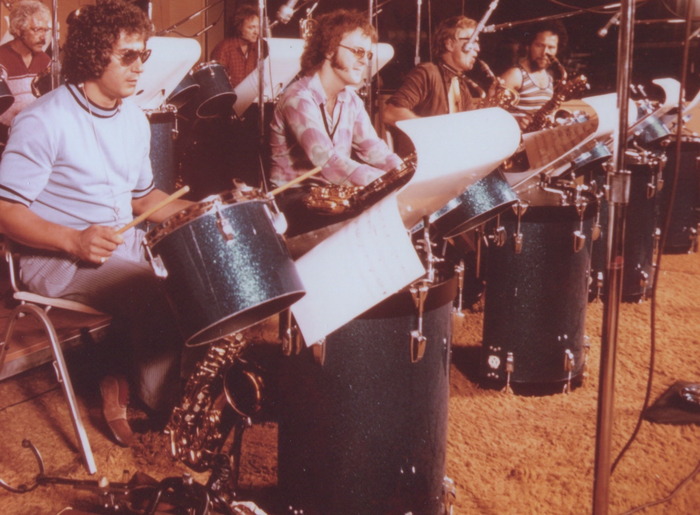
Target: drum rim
(190,214)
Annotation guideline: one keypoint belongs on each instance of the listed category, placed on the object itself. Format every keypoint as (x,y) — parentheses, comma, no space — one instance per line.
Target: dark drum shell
(483,200)
(218,286)
(215,96)
(163,131)
(365,431)
(535,300)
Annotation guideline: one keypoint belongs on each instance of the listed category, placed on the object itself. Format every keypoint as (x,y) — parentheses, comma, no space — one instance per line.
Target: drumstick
(179,193)
(295,181)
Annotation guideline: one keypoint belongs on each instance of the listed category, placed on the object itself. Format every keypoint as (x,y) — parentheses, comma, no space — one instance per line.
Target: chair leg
(61,374)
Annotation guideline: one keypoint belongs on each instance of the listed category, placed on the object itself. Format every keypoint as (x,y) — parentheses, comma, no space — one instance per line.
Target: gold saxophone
(200,425)
(502,96)
(563,91)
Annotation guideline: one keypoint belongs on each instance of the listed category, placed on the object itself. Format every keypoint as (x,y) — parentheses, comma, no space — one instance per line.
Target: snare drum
(215,96)
(537,293)
(225,267)
(685,212)
(163,123)
(363,429)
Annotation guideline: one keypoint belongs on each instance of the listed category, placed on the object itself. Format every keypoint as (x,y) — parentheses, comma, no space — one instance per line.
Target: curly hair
(22,13)
(554,26)
(93,32)
(446,30)
(330,29)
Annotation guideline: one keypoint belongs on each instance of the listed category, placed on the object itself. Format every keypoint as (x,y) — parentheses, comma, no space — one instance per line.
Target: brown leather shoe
(115,396)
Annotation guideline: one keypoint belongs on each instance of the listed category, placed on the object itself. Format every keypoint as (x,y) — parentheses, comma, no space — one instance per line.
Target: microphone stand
(619,189)
(55,71)
(185,20)
(416,59)
(511,24)
(264,30)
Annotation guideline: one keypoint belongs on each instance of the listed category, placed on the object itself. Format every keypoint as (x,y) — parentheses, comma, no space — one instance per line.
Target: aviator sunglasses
(128,57)
(359,52)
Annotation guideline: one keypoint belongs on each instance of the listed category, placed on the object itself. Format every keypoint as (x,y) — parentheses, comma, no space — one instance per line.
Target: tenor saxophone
(200,425)
(501,96)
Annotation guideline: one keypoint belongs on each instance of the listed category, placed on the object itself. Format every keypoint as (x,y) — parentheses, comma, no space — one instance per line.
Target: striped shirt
(533,97)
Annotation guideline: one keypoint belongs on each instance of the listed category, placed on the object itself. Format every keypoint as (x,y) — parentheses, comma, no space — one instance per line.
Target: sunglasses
(359,52)
(128,57)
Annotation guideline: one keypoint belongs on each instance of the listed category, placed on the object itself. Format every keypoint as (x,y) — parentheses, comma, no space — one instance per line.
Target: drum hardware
(519,208)
(586,355)
(510,368)
(289,334)
(318,350)
(459,270)
(419,292)
(599,283)
(579,236)
(569,362)
(693,234)
(644,283)
(449,495)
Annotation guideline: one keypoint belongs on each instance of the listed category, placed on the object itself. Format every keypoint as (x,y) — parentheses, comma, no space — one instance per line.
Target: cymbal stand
(264,31)
(186,19)
(619,191)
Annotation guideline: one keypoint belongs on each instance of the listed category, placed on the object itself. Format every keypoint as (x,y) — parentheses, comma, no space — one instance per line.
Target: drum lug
(418,340)
(156,263)
(579,241)
(449,495)
(644,284)
(518,242)
(459,271)
(510,368)
(569,362)
(223,225)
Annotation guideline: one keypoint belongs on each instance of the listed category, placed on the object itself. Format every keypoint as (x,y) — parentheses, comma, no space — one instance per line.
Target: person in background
(437,87)
(23,57)
(239,54)
(533,76)
(76,169)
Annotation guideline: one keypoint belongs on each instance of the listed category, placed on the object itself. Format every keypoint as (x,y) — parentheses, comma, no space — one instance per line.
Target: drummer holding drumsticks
(320,121)
(75,169)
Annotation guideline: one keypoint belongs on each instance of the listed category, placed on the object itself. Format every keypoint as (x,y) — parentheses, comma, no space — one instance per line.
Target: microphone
(614,20)
(286,11)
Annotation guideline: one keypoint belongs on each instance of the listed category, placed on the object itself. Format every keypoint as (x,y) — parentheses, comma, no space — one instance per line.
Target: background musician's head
(341,43)
(105,50)
(542,45)
(30,24)
(246,23)
(450,43)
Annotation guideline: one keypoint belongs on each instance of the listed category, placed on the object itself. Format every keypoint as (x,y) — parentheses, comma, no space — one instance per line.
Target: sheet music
(454,151)
(366,261)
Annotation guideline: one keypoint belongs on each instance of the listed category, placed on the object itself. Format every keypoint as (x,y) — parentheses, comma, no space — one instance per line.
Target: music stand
(171,59)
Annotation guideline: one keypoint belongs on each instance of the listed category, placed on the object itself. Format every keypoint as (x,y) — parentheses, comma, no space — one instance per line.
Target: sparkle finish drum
(537,294)
(163,123)
(480,202)
(363,430)
(225,266)
(640,229)
(215,96)
(685,212)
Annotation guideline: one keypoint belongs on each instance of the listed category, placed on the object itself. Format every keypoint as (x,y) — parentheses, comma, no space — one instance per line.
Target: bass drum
(225,266)
(685,212)
(640,229)
(536,294)
(164,131)
(363,429)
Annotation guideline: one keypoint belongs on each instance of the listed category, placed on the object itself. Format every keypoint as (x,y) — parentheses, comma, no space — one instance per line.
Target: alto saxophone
(200,425)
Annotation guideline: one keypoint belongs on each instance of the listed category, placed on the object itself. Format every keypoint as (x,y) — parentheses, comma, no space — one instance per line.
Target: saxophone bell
(556,63)
(500,95)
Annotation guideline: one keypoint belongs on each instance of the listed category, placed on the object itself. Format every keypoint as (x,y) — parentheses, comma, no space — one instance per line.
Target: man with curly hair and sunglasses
(75,170)
(320,121)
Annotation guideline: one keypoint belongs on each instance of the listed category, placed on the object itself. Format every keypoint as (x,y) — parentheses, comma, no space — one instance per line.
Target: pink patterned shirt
(303,137)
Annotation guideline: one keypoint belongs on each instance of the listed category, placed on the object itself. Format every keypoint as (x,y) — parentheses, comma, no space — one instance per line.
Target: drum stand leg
(449,495)
(510,368)
(459,271)
(419,292)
